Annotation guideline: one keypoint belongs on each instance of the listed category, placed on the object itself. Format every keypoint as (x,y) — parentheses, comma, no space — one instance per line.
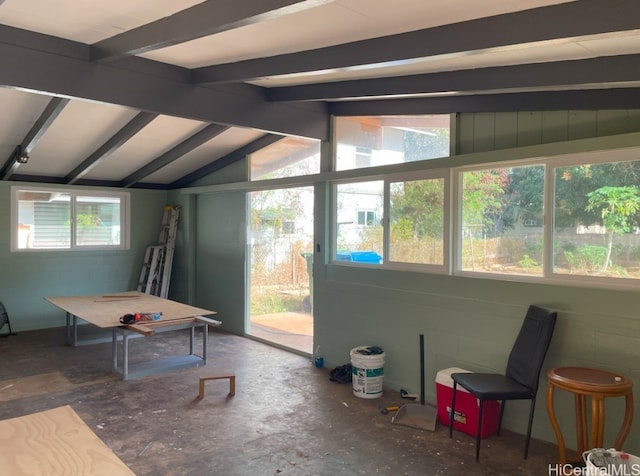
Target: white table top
(106,310)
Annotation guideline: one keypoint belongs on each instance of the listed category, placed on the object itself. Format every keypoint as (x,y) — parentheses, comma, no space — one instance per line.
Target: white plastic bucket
(367,373)
(615,466)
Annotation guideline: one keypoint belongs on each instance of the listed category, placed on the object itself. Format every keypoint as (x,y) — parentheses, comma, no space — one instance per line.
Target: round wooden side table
(597,384)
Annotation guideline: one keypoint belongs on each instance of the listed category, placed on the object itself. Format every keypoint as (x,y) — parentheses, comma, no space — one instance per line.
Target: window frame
(551,163)
(361,151)
(125,228)
(435,173)
(590,158)
(456,211)
(334,218)
(277,145)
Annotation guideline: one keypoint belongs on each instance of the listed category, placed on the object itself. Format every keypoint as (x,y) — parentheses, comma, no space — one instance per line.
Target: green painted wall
(472,323)
(26,278)
(182,273)
(220,265)
(467,322)
(219,243)
(493,131)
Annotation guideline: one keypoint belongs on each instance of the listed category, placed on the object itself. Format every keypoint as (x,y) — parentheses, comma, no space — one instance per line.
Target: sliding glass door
(280,242)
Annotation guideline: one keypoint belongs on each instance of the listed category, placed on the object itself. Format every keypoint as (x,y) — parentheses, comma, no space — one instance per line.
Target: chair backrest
(531,345)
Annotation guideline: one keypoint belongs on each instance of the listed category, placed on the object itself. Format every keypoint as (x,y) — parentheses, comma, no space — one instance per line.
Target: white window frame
(125,220)
(598,157)
(387,179)
(362,151)
(551,164)
(456,211)
(334,218)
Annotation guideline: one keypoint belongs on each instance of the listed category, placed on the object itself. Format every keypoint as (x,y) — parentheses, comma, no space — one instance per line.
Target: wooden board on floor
(106,310)
(55,442)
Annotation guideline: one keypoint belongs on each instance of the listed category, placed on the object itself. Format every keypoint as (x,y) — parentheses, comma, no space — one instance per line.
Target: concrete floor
(286,418)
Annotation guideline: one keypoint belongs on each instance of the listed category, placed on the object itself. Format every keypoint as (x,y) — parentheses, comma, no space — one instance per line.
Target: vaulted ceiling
(158,94)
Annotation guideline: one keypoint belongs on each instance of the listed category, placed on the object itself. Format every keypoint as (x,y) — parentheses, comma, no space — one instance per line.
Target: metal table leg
(75,330)
(72,330)
(68,329)
(114,350)
(125,355)
(205,339)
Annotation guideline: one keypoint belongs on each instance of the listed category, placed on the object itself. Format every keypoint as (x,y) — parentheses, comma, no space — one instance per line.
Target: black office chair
(4,319)
(520,382)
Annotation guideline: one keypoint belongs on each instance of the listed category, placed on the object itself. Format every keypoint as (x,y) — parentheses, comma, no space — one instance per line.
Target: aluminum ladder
(155,275)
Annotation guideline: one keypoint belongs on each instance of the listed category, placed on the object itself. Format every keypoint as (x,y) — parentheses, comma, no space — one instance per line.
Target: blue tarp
(360,256)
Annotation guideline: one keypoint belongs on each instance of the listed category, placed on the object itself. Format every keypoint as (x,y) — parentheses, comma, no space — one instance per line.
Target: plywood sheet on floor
(55,441)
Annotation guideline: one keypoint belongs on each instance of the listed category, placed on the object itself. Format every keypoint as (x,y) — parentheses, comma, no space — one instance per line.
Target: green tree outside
(617,207)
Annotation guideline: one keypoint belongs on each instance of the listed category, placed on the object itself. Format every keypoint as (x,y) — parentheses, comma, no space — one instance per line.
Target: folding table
(105,311)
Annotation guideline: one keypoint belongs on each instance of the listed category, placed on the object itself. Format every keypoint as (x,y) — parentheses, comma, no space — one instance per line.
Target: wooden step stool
(232,383)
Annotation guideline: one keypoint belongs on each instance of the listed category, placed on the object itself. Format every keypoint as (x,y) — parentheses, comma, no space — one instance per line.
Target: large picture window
(569,219)
(367,141)
(591,235)
(56,219)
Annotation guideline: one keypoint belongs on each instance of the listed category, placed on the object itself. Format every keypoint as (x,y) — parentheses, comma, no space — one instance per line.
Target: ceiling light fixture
(20,156)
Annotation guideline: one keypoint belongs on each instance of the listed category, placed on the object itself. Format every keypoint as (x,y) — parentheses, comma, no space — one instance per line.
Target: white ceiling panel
(321,26)
(86,21)
(80,129)
(330,24)
(437,64)
(626,44)
(18,112)
(222,145)
(408,15)
(534,52)
(148,144)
